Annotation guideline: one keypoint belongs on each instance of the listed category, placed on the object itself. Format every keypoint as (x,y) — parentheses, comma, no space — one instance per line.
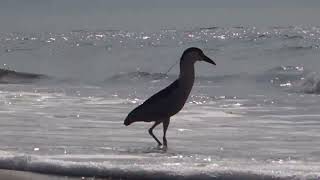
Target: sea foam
(109,166)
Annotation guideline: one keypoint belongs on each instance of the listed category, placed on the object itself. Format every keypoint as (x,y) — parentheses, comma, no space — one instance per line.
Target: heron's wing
(156,106)
(163,94)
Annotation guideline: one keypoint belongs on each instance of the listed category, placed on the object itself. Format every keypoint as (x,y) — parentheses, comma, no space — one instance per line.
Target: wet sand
(24,175)
(21,175)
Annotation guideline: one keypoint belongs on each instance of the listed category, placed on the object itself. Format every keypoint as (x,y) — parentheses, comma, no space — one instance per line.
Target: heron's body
(172,98)
(169,101)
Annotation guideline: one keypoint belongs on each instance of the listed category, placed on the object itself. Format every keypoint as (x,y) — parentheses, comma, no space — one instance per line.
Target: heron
(169,101)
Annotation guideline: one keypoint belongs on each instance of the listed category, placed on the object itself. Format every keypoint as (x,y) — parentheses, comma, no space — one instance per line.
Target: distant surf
(292,78)
(15,77)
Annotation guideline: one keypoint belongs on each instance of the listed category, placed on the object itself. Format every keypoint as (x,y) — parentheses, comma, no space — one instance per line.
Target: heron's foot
(159,146)
(164,148)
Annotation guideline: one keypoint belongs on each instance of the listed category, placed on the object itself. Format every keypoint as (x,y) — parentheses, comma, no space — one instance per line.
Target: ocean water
(253,116)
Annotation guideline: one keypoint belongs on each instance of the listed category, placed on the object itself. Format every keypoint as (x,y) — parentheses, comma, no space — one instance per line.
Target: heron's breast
(178,100)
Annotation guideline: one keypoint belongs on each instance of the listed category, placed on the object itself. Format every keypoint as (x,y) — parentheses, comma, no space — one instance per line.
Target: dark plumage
(169,101)
(146,112)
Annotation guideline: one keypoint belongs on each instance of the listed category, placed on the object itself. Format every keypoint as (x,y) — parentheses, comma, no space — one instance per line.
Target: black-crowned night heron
(169,101)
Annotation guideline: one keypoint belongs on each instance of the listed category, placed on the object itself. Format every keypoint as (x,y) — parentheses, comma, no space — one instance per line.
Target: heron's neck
(187,73)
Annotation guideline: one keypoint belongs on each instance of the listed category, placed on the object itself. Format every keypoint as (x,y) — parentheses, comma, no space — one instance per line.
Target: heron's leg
(165,127)
(151,133)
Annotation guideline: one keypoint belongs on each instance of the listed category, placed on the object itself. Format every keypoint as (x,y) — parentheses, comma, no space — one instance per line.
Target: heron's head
(128,121)
(195,54)
(130,118)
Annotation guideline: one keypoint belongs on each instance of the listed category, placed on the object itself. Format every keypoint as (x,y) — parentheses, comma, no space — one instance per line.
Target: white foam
(196,112)
(101,157)
(292,116)
(158,166)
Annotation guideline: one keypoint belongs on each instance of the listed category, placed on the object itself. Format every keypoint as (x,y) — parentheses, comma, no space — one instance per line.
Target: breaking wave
(107,169)
(14,77)
(309,84)
(137,76)
(282,75)
(294,78)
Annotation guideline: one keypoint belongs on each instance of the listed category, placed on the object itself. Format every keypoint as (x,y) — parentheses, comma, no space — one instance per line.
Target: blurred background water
(256,112)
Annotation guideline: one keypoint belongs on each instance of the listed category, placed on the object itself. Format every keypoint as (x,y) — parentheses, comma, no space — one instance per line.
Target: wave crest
(15,77)
(137,76)
(309,84)
(282,75)
(106,169)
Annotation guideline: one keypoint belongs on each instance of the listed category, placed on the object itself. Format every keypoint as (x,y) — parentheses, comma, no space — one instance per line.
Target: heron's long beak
(207,59)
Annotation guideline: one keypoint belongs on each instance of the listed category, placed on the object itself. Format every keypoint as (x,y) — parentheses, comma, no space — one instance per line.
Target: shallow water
(255,114)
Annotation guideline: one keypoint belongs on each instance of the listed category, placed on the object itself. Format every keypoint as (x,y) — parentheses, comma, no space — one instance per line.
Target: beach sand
(21,175)
(24,175)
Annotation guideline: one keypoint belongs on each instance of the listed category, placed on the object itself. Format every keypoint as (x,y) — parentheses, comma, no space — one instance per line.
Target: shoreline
(24,175)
